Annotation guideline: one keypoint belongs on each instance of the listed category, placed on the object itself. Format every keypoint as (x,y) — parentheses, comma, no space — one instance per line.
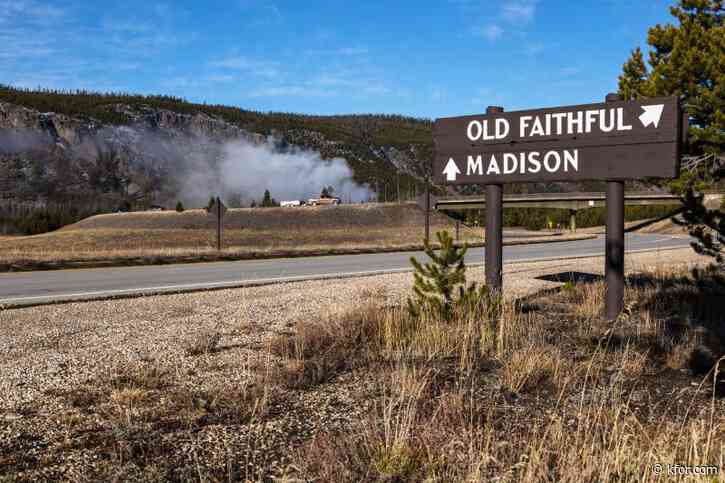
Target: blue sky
(426,59)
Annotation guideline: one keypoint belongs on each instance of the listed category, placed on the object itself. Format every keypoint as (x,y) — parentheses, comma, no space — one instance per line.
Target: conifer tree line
(686,58)
(33,219)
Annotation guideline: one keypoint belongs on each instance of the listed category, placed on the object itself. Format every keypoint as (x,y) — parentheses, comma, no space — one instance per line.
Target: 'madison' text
(523,163)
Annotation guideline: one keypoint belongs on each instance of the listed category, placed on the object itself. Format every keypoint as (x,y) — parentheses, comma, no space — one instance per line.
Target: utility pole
(427,211)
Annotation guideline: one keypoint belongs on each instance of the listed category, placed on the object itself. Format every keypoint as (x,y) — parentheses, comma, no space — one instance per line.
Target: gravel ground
(44,350)
(59,345)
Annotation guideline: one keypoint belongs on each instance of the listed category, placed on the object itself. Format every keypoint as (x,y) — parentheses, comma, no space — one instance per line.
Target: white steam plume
(247,169)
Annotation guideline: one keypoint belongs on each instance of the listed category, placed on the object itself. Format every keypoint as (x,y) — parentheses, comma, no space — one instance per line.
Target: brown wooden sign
(608,141)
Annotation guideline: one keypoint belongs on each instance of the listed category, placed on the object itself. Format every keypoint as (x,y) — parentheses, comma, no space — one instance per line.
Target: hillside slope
(73,154)
(361,216)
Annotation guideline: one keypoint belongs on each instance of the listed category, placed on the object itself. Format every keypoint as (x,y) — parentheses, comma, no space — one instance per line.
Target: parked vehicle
(291,204)
(323,201)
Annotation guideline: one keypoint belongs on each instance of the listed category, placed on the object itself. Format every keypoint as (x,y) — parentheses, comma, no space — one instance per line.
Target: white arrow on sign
(651,114)
(451,170)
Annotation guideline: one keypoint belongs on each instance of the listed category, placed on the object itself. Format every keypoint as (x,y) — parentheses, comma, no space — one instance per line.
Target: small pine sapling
(440,286)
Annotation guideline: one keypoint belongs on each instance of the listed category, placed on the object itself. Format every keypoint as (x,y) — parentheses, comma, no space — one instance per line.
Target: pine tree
(440,286)
(179,206)
(327,192)
(633,81)
(707,227)
(688,60)
(267,200)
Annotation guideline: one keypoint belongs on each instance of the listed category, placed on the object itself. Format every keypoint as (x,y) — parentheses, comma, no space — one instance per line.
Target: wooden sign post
(614,243)
(494,228)
(218,209)
(613,141)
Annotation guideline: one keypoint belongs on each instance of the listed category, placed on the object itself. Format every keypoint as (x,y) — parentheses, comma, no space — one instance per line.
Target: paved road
(38,287)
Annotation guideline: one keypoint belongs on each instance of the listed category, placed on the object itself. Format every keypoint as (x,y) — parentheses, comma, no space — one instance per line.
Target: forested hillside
(67,154)
(387,142)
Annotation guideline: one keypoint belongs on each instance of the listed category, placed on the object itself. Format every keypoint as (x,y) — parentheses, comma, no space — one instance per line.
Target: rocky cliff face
(51,157)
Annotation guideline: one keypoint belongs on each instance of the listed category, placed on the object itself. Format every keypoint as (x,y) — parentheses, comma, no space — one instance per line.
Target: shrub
(179,206)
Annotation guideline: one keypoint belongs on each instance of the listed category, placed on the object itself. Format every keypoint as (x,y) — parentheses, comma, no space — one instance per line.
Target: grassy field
(543,390)
(147,237)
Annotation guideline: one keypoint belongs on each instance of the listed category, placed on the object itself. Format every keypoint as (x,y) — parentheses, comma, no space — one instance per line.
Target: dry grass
(170,237)
(517,402)
(248,233)
(532,368)
(91,244)
(204,342)
(543,389)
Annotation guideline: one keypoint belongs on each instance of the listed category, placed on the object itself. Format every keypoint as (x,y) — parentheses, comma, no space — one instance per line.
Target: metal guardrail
(561,196)
(571,201)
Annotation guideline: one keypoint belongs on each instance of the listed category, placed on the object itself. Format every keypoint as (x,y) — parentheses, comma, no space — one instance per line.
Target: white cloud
(376,89)
(511,17)
(179,82)
(519,11)
(348,53)
(490,32)
(438,94)
(264,12)
(245,64)
(274,12)
(570,71)
(219,78)
(163,10)
(330,84)
(17,45)
(329,80)
(485,97)
(352,51)
(25,36)
(29,9)
(292,91)
(533,49)
(351,81)
(131,26)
